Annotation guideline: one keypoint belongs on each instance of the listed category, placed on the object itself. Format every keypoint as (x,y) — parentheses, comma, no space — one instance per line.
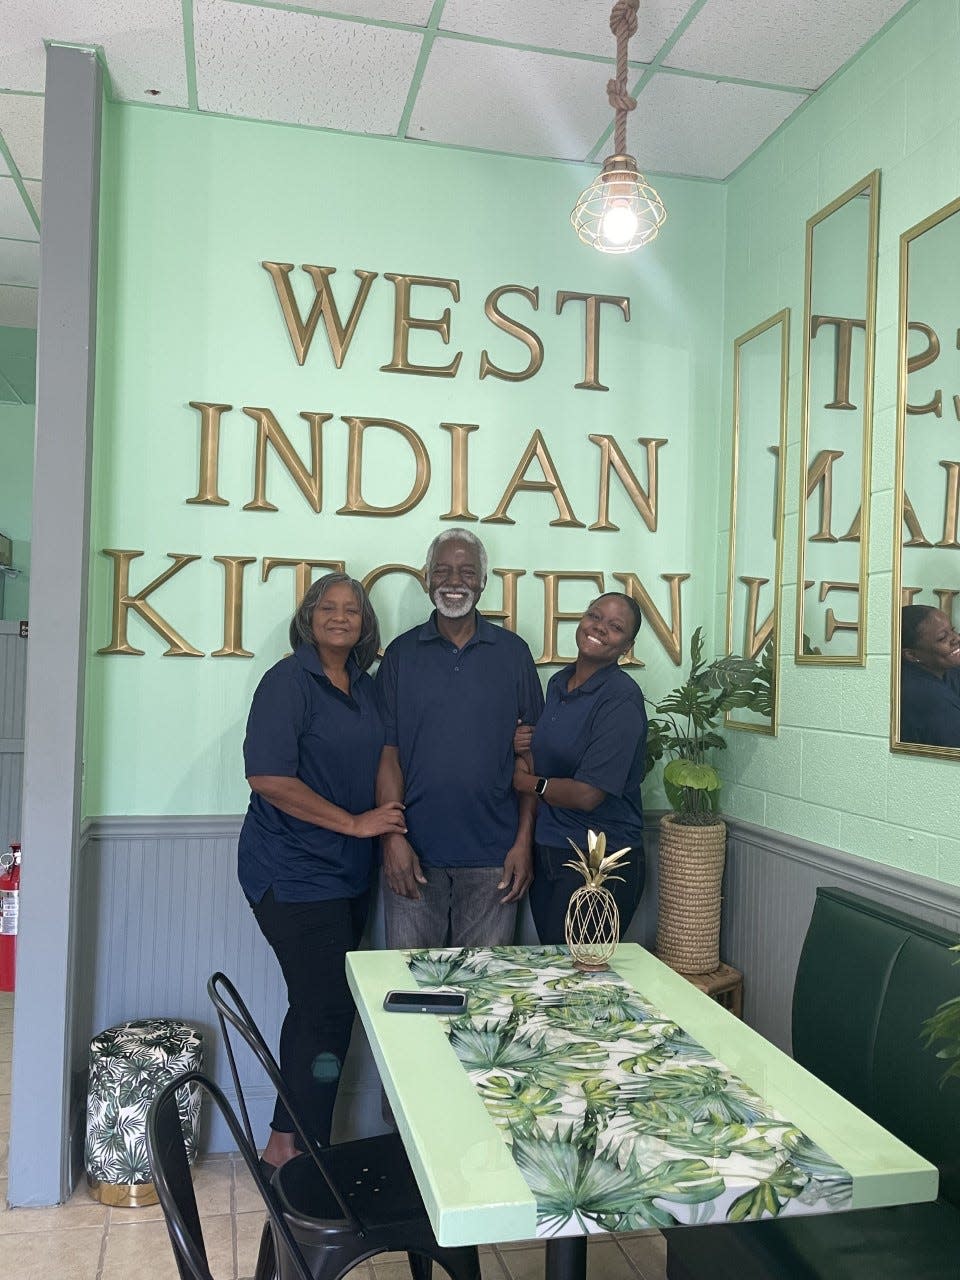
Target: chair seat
(903,1243)
(373,1175)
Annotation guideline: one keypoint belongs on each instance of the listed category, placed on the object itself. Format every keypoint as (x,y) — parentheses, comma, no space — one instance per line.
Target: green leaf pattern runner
(617,1119)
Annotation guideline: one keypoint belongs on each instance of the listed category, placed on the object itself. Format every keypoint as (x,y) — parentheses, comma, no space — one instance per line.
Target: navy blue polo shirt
(302,726)
(596,734)
(929,706)
(451,713)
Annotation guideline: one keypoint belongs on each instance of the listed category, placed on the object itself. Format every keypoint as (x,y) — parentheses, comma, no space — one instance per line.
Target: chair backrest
(869,977)
(232,1010)
(167,1153)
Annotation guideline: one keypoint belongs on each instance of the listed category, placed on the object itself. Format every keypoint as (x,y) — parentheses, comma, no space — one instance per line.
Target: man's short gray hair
(461,535)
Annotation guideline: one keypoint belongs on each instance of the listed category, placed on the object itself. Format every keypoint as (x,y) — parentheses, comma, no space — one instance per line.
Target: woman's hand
(386,819)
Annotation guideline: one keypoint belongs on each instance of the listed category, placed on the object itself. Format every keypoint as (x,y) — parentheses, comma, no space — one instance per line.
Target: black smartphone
(425,1001)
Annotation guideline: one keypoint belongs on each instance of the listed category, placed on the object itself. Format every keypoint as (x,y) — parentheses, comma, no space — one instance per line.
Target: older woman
(585,760)
(312,749)
(929,677)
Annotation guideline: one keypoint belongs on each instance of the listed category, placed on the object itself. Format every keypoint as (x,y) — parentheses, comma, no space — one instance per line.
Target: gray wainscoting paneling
(769,889)
(13,681)
(161,910)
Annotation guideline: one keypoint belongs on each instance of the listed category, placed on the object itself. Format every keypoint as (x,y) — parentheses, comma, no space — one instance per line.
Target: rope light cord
(623,24)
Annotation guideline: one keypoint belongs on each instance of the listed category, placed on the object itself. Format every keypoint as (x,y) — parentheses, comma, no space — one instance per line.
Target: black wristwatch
(541,786)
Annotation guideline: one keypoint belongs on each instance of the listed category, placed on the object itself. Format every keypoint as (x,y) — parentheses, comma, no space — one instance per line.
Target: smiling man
(451,692)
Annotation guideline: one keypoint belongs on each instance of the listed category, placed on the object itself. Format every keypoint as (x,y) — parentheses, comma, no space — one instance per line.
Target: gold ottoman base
(123,1195)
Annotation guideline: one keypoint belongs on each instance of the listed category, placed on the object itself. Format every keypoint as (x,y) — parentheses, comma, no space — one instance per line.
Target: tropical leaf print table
(617,1118)
(564,1104)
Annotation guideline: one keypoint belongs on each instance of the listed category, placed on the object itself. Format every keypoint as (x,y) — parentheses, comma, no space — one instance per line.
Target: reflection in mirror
(839,328)
(926,649)
(760,375)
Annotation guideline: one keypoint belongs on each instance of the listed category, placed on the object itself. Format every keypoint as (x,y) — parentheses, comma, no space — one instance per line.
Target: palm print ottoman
(129,1064)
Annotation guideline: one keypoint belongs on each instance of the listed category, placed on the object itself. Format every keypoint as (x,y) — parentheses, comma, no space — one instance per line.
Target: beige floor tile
(80,1211)
(249,1229)
(5,1071)
(212,1179)
(647,1252)
(68,1255)
(605,1261)
(523,1261)
(247,1198)
(145,1250)
(491,1268)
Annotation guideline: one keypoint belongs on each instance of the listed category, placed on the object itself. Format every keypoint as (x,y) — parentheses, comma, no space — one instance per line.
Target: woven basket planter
(691,868)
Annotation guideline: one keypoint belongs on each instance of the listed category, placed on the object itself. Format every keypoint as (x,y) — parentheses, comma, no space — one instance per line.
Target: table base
(566,1259)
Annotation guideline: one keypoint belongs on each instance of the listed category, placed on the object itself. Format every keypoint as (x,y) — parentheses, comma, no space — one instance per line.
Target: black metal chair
(344,1202)
(167,1152)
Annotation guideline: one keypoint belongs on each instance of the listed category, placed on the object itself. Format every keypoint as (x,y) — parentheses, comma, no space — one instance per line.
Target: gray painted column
(40,1156)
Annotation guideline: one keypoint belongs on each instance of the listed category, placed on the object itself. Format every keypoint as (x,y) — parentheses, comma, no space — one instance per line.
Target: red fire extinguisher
(9,915)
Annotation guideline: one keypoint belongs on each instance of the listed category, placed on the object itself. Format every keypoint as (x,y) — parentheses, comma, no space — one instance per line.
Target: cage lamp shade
(619,211)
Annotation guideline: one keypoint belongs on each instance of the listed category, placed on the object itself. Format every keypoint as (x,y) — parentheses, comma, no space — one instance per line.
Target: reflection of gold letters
(591,371)
(459,488)
(210,415)
(301,335)
(308,482)
(303,576)
(950,506)
(820,474)
(355,504)
(552,615)
(549,484)
(516,330)
(920,361)
(945,598)
(831,622)
(123,602)
(671,637)
(233,567)
(841,375)
(755,638)
(508,612)
(644,501)
(853,533)
(403,322)
(916,538)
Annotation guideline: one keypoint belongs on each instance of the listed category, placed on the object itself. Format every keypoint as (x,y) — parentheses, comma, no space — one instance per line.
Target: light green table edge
(474,1193)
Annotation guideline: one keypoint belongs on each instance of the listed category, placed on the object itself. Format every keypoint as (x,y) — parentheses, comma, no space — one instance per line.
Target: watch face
(541,786)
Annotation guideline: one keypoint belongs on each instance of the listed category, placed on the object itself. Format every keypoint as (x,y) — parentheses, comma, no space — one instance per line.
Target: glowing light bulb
(619,224)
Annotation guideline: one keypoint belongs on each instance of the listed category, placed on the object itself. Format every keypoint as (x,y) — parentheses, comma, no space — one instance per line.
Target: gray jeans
(459,907)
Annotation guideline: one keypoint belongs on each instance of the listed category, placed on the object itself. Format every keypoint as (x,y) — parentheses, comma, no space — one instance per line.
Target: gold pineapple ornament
(592,926)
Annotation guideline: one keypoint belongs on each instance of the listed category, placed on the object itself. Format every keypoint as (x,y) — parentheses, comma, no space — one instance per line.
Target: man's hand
(517,875)
(401,867)
(522,738)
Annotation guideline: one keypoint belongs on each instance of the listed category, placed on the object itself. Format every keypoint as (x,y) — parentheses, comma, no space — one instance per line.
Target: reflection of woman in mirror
(929,677)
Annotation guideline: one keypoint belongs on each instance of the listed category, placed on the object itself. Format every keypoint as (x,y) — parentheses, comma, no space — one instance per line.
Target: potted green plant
(685,727)
(945,1025)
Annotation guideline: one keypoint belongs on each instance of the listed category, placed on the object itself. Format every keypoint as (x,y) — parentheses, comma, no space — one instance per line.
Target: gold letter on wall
(123,602)
(671,637)
(591,372)
(210,415)
(459,484)
(516,330)
(301,335)
(355,504)
(403,322)
(549,484)
(644,501)
(552,615)
(304,572)
(233,567)
(308,482)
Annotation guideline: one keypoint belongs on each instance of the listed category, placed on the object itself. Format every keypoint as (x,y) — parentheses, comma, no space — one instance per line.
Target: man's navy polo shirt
(929,706)
(451,713)
(302,726)
(596,734)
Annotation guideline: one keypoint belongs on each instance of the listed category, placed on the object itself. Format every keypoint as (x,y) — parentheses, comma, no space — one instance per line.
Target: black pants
(311,939)
(553,883)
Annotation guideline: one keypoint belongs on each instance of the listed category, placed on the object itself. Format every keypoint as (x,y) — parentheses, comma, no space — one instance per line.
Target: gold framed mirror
(760,380)
(925,649)
(839,329)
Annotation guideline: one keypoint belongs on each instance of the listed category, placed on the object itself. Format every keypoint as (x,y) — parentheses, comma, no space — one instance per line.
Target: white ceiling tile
(779,41)
(15,221)
(564,24)
(33,191)
(416,12)
(272,64)
(141,39)
(508,100)
(19,263)
(21,123)
(686,125)
(18,307)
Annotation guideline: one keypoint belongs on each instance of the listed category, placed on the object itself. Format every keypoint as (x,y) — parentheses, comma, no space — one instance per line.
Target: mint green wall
(16,500)
(830,776)
(191,207)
